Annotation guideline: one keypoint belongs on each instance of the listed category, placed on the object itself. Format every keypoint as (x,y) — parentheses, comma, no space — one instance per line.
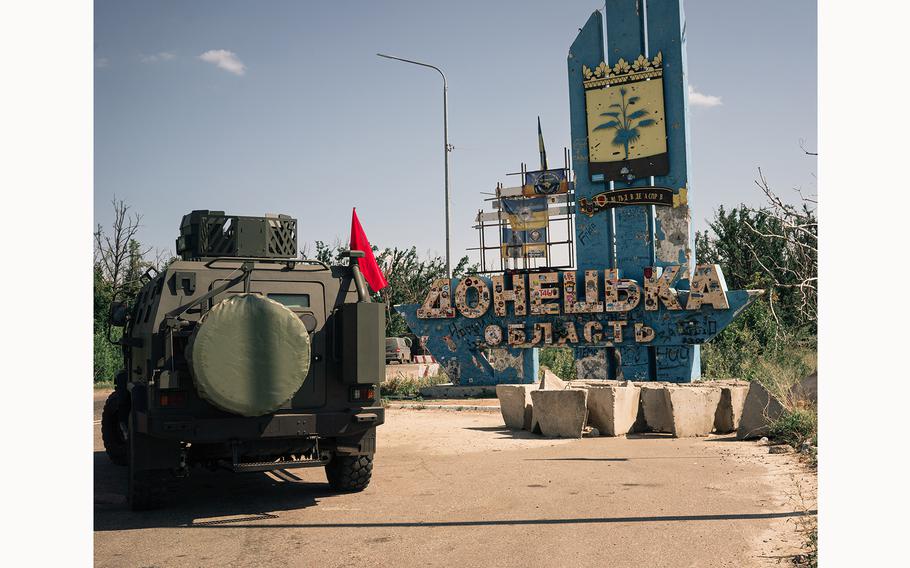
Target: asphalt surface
(456,488)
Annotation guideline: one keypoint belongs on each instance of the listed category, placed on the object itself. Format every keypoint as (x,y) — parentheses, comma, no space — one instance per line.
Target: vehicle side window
(292,300)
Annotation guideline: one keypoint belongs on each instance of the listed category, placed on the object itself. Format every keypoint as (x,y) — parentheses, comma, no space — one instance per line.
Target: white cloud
(160,56)
(703,100)
(224,59)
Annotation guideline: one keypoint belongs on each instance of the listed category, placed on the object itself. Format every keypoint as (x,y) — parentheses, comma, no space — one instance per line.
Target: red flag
(368,264)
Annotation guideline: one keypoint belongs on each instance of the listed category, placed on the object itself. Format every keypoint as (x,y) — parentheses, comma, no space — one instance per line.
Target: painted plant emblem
(627,135)
(626,121)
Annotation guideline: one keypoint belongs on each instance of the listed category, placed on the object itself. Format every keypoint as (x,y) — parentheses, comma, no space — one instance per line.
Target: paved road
(456,489)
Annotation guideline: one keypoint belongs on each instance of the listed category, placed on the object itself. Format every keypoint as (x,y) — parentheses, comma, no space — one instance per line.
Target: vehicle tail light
(363,394)
(176,398)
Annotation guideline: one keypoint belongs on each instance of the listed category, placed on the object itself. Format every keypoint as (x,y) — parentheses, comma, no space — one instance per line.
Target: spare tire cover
(249,355)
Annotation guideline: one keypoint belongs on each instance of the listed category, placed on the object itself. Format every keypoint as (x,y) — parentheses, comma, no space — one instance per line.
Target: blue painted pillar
(675,237)
(593,235)
(644,236)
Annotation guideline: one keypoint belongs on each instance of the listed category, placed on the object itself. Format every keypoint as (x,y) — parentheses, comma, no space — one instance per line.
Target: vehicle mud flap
(152,467)
(362,445)
(147,452)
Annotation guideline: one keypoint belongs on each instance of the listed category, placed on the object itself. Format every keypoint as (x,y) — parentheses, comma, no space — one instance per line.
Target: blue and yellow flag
(525,213)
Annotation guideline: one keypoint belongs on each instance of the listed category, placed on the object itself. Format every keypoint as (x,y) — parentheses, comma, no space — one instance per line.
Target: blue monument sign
(635,306)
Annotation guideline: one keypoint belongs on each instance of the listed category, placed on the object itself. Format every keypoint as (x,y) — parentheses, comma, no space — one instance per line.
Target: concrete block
(612,409)
(692,408)
(411,371)
(760,409)
(516,405)
(560,414)
(551,382)
(656,407)
(730,408)
(807,390)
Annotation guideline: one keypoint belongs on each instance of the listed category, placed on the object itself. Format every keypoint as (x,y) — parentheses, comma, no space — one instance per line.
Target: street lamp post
(446,147)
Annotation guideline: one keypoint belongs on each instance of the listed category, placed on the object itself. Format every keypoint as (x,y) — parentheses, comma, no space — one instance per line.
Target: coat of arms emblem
(627,134)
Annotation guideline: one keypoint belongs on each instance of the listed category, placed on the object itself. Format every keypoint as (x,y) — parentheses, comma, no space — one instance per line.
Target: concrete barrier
(730,408)
(806,391)
(411,370)
(516,405)
(760,409)
(551,381)
(656,408)
(692,408)
(613,408)
(560,413)
(448,390)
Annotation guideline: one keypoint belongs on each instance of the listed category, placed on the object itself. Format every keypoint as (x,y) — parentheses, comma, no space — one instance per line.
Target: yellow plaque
(627,133)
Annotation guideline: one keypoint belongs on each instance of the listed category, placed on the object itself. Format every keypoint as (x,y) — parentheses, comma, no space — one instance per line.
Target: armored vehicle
(239,355)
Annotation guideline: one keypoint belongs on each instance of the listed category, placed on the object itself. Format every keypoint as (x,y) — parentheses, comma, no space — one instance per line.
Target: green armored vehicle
(241,356)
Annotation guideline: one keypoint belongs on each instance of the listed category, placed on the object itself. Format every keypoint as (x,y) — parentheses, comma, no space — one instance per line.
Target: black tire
(115,429)
(349,473)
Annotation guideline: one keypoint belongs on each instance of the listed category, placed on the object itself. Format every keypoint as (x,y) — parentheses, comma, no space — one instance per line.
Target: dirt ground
(457,488)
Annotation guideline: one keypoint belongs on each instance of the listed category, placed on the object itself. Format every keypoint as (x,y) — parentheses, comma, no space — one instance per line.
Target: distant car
(397,349)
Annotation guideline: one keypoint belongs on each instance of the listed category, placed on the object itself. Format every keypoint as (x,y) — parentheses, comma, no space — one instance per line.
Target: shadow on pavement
(506,432)
(205,498)
(579,459)
(521,522)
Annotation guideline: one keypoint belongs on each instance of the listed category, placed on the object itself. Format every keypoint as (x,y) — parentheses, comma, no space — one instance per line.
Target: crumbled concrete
(730,408)
(655,407)
(515,405)
(560,414)
(807,389)
(552,382)
(780,449)
(760,409)
(613,408)
(692,408)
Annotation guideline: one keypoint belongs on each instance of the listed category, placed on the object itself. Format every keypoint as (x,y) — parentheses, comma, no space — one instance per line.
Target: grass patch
(409,387)
(796,426)
(810,557)
(102,385)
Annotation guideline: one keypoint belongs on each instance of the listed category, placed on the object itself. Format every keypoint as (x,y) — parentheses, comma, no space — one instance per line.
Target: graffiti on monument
(629,300)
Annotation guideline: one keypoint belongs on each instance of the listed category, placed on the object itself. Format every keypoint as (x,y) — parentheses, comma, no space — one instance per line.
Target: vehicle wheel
(115,427)
(349,473)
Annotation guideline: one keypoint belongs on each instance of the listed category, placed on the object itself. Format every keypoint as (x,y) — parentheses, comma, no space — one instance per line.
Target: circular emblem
(492,334)
(547,183)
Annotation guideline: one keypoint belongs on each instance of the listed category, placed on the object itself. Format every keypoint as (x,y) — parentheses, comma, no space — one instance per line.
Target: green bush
(754,347)
(107,358)
(560,360)
(796,426)
(409,387)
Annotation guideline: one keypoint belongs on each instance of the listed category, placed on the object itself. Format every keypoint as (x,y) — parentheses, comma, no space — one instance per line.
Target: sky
(284,107)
